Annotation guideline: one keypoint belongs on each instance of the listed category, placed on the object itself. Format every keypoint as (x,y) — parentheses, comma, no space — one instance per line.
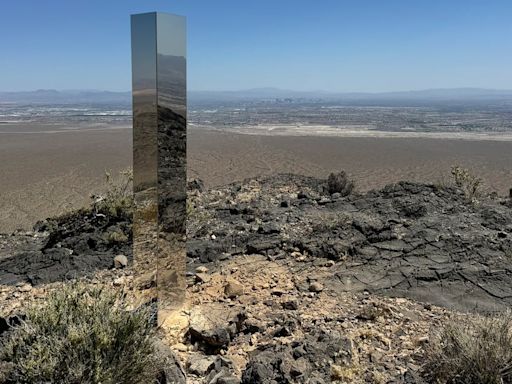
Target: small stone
(282,332)
(201,269)
(316,287)
(119,281)
(254,326)
(146,281)
(369,313)
(268,303)
(324,201)
(201,365)
(302,195)
(233,289)
(25,288)
(291,305)
(422,340)
(277,292)
(180,347)
(376,356)
(120,261)
(213,237)
(299,368)
(228,380)
(202,277)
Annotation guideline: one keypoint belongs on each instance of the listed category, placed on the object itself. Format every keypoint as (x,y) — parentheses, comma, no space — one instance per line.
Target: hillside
(288,282)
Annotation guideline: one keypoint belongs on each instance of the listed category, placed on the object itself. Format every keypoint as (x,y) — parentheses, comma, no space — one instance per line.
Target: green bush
(340,183)
(81,334)
(476,351)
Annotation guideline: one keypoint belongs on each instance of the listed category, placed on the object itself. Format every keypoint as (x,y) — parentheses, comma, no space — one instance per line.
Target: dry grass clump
(81,334)
(118,198)
(476,351)
(467,182)
(340,183)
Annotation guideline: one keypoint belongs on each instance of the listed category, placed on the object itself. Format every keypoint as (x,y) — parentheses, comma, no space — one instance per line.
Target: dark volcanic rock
(215,331)
(171,372)
(66,247)
(303,361)
(407,239)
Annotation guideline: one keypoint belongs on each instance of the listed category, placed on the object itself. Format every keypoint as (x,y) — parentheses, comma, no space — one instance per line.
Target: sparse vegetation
(82,334)
(118,198)
(196,213)
(476,351)
(344,374)
(443,182)
(330,222)
(340,183)
(467,182)
(116,237)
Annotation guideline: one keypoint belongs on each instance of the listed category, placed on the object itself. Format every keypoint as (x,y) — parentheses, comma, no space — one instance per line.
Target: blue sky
(334,45)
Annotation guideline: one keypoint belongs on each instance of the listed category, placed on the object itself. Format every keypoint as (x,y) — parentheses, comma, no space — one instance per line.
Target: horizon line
(270,89)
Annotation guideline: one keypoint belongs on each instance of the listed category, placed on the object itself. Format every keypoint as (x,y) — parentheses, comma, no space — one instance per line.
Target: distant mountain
(471,95)
(255,93)
(52,96)
(449,94)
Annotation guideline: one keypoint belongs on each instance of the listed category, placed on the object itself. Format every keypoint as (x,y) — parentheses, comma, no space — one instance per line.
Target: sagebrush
(475,350)
(81,334)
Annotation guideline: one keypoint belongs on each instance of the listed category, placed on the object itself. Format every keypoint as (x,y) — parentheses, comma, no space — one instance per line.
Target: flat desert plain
(48,170)
(221,157)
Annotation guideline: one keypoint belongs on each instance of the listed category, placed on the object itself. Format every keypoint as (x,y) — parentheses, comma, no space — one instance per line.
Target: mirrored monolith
(159,162)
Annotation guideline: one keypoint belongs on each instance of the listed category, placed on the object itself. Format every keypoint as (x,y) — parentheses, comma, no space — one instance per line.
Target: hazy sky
(335,45)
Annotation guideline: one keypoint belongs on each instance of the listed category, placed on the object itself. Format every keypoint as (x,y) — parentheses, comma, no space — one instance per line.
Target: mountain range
(51,96)
(427,94)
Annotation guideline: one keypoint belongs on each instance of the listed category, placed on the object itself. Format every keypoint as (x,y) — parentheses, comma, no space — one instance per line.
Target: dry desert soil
(48,170)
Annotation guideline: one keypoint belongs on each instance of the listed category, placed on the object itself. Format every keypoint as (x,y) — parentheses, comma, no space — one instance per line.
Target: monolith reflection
(159,157)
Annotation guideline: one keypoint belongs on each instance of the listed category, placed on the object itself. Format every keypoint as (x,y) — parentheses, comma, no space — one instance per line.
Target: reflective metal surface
(159,164)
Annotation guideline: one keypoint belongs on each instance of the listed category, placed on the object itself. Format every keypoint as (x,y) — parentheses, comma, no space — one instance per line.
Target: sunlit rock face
(159,148)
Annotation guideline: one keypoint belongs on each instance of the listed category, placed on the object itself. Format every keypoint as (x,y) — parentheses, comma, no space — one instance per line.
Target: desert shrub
(81,334)
(340,183)
(118,198)
(196,214)
(467,182)
(476,351)
(116,237)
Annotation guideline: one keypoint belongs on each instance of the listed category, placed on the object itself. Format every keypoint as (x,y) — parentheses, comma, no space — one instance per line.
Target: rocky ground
(290,284)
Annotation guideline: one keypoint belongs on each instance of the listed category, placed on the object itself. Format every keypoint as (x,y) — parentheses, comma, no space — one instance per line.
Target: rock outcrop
(410,240)
(288,283)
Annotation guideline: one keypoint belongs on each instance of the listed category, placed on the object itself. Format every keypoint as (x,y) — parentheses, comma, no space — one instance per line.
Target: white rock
(120,261)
